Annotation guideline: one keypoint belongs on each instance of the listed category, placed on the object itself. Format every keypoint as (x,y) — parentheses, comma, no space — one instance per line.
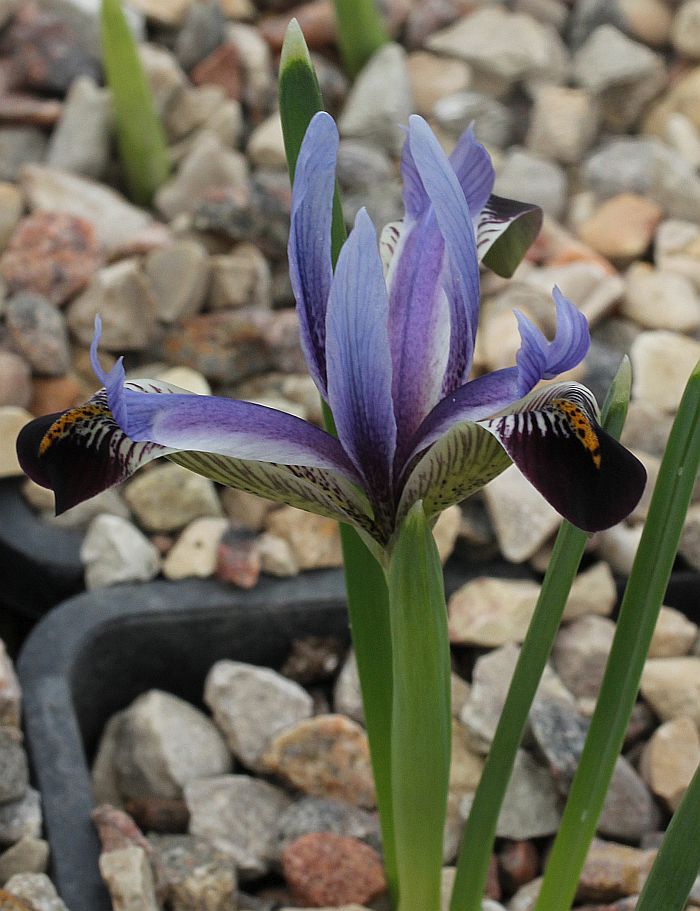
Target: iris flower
(389,341)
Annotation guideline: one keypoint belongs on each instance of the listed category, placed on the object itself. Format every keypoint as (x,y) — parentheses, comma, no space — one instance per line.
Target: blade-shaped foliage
(140,135)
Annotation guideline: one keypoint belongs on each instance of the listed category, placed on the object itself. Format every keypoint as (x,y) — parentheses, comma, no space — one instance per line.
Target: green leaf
(420,720)
(360,32)
(140,136)
(368,597)
(299,99)
(638,615)
(677,864)
(480,830)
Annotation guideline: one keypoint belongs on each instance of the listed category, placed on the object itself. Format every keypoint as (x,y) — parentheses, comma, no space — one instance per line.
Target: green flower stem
(677,864)
(420,721)
(480,830)
(368,597)
(140,135)
(635,626)
(360,32)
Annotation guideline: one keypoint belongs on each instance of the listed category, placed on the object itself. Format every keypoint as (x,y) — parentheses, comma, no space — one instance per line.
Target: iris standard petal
(358,358)
(537,359)
(309,248)
(472,165)
(461,269)
(419,324)
(554,438)
(505,230)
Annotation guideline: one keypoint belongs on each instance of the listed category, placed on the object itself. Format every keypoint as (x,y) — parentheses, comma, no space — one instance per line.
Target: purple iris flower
(389,339)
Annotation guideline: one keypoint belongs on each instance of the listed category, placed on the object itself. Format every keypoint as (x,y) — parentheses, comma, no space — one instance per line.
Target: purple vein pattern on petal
(461,270)
(310,267)
(419,323)
(537,359)
(359,363)
(206,423)
(472,165)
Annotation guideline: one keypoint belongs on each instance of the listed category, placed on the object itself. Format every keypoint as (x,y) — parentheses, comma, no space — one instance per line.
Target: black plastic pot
(93,654)
(39,562)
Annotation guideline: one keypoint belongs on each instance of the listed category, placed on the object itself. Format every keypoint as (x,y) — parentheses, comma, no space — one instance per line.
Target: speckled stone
(37,890)
(15,380)
(51,253)
(325,756)
(38,333)
(323,868)
(115,551)
(10,693)
(20,817)
(671,686)
(128,877)
(238,816)
(14,771)
(162,743)
(198,875)
(167,497)
(380,100)
(670,759)
(121,294)
(319,814)
(251,705)
(179,277)
(314,540)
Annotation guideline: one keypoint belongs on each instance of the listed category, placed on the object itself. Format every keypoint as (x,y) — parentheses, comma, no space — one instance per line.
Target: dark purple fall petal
(309,248)
(556,442)
(358,358)
(81,452)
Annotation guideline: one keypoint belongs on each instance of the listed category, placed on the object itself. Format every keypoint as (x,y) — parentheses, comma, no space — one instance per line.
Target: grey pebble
(38,333)
(81,141)
(20,146)
(20,817)
(14,770)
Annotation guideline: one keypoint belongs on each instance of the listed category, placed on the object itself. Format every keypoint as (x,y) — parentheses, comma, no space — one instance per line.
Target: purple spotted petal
(359,362)
(537,359)
(309,248)
(461,272)
(555,440)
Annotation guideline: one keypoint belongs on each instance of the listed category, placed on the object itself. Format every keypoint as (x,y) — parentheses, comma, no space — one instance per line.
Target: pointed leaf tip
(294,48)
